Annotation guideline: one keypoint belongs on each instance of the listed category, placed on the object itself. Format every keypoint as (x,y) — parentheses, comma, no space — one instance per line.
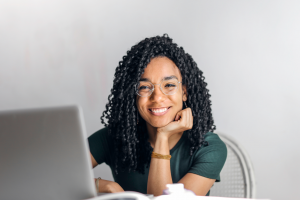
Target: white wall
(65,51)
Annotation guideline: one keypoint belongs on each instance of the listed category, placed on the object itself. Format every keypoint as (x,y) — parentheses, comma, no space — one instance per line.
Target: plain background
(59,52)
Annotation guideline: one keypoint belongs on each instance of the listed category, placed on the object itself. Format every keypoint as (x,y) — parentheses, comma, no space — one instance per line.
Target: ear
(184,93)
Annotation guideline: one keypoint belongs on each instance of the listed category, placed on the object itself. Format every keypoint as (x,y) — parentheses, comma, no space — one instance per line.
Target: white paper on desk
(121,195)
(183,197)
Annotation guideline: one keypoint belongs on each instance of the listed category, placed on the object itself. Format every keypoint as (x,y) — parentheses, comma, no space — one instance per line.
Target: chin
(159,124)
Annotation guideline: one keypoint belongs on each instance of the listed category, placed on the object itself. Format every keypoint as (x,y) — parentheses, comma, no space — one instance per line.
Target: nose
(157,95)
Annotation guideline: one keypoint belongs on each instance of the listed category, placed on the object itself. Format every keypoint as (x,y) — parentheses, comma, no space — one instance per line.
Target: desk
(139,196)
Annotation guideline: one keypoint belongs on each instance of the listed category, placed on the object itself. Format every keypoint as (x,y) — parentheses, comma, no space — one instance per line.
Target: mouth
(159,111)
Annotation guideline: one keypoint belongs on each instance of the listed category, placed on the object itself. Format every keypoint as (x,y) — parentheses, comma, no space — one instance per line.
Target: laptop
(44,155)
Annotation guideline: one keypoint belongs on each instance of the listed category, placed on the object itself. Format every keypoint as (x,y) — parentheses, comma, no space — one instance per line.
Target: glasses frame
(136,91)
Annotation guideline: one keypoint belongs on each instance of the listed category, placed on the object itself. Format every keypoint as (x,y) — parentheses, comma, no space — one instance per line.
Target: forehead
(159,68)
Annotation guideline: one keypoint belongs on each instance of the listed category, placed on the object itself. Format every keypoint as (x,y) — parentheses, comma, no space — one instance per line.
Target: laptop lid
(44,155)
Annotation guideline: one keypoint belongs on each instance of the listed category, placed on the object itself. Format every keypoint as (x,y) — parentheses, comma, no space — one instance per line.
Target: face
(160,109)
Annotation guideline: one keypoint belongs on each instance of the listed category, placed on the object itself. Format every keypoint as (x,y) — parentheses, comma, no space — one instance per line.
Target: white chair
(237,176)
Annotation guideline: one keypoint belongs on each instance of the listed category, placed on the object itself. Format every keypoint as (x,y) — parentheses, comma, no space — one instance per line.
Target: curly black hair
(131,147)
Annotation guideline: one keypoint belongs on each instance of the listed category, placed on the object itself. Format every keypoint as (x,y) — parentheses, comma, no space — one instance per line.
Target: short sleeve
(99,144)
(209,160)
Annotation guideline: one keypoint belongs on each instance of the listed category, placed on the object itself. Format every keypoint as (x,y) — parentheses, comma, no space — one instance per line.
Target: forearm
(160,171)
(108,186)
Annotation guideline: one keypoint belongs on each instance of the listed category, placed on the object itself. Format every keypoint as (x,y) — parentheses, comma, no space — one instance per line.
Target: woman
(158,124)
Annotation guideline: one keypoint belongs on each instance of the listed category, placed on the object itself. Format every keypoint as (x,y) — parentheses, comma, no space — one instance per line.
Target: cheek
(176,100)
(140,103)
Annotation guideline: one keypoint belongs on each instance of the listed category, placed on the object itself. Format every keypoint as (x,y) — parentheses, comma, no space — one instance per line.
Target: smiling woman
(159,124)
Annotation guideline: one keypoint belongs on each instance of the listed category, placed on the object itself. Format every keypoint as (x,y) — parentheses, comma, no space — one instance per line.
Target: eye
(170,85)
(144,88)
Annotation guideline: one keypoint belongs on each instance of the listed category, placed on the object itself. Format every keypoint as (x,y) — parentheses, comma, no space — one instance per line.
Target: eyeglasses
(168,87)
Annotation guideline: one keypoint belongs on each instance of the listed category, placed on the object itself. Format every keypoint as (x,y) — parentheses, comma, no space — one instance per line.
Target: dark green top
(207,161)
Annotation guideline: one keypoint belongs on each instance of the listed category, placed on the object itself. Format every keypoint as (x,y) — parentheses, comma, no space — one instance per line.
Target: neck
(152,132)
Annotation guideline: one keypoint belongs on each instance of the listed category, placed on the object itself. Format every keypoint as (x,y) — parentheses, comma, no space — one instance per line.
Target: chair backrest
(237,176)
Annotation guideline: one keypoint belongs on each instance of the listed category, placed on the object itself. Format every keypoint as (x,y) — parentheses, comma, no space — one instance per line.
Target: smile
(158,111)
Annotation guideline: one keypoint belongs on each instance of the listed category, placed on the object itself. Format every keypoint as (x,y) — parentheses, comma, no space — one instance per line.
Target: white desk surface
(139,196)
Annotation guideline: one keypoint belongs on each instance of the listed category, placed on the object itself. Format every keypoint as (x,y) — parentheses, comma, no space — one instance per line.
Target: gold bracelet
(160,156)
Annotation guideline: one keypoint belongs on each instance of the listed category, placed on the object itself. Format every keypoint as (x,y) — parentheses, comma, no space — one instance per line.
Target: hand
(109,186)
(183,121)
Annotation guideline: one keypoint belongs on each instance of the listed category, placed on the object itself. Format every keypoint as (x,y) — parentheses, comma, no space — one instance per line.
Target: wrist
(161,138)
(97,184)
(161,145)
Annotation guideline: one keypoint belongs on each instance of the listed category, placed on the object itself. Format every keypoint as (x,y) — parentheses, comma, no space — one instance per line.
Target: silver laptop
(44,155)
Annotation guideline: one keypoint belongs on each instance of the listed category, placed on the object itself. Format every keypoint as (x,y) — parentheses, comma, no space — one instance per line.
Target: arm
(99,149)
(207,166)
(160,175)
(160,171)
(198,184)
(106,186)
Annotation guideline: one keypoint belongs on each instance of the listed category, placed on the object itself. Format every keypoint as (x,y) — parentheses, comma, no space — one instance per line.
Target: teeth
(158,110)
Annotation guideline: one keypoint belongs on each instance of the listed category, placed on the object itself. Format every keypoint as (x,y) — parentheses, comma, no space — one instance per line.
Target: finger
(191,119)
(178,115)
(188,117)
(184,118)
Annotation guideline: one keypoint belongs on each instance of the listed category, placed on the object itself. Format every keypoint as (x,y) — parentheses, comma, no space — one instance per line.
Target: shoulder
(214,140)
(100,145)
(102,133)
(100,137)
(209,159)
(214,151)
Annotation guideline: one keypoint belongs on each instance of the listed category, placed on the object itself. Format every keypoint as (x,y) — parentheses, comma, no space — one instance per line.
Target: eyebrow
(165,78)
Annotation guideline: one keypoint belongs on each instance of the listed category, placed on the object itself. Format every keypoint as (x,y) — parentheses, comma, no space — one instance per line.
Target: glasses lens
(169,86)
(144,88)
